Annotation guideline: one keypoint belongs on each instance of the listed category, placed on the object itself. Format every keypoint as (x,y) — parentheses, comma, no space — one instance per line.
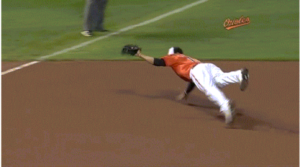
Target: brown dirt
(124,114)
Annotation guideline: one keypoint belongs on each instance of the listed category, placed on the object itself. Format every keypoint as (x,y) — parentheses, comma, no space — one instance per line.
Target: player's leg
(204,81)
(226,106)
(223,79)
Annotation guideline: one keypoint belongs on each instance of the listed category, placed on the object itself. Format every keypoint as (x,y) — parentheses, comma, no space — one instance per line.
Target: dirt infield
(125,114)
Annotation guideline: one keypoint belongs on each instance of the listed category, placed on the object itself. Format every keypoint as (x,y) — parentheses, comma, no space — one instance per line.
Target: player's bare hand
(182,96)
(138,53)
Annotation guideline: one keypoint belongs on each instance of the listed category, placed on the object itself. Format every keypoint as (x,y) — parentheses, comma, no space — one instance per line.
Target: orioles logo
(230,24)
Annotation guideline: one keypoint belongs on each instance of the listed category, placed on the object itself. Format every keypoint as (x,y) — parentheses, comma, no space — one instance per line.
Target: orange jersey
(181,65)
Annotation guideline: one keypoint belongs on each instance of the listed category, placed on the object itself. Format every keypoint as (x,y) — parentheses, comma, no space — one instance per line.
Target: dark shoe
(245,79)
(101,30)
(87,33)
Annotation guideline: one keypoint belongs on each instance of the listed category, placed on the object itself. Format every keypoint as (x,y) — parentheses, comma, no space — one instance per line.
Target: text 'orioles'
(230,24)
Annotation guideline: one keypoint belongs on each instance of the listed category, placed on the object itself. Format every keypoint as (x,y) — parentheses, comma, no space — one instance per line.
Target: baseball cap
(174,50)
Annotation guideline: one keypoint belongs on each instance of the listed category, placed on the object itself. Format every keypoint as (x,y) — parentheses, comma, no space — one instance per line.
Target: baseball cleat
(245,78)
(229,116)
(86,33)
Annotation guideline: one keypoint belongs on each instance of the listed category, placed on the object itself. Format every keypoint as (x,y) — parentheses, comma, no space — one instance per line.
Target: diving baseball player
(207,77)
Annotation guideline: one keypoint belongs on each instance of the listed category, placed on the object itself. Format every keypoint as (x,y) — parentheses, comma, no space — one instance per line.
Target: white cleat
(87,33)
(230,115)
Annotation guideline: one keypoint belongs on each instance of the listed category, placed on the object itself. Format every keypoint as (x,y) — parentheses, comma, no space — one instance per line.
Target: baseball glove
(130,49)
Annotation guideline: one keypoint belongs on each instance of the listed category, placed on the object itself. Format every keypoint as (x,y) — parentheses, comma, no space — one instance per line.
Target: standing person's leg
(89,17)
(101,13)
(203,79)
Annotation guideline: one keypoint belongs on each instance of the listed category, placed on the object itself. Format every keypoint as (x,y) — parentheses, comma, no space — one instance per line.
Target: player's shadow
(242,121)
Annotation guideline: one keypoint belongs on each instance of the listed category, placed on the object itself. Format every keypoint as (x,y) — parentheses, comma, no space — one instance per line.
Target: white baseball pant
(210,79)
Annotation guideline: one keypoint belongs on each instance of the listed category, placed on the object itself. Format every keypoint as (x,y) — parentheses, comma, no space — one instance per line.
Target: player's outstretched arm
(151,60)
(188,90)
(147,58)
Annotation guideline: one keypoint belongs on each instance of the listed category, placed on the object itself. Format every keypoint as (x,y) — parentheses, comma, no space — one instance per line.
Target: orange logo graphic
(230,24)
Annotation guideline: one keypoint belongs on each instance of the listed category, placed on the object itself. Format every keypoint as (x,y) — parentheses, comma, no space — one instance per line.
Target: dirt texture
(111,113)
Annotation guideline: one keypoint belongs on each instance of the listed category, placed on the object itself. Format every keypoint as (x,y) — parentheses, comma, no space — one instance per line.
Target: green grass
(32,28)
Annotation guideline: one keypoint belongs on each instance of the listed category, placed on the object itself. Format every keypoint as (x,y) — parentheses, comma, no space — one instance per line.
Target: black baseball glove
(130,49)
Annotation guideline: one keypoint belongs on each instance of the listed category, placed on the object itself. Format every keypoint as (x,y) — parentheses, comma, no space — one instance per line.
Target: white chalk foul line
(19,67)
(106,36)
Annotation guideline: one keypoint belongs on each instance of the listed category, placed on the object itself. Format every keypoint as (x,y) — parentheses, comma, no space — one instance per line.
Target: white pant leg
(203,78)
(225,78)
